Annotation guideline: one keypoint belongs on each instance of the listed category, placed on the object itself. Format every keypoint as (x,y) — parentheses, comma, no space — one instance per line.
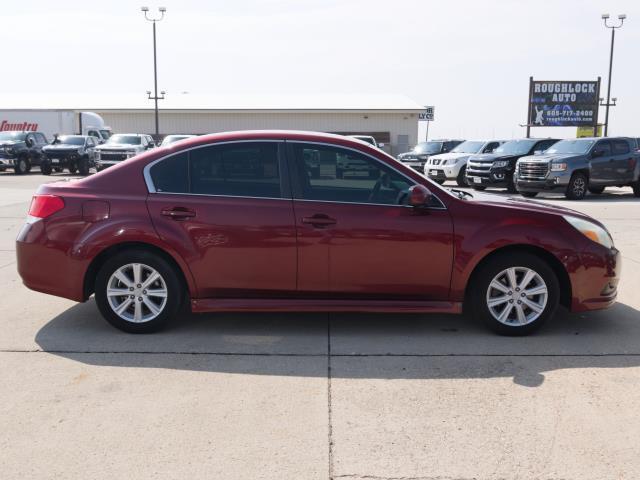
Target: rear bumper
(45,265)
(595,283)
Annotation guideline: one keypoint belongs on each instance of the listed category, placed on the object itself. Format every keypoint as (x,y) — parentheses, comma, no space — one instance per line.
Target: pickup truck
(121,146)
(21,150)
(73,152)
(496,169)
(581,165)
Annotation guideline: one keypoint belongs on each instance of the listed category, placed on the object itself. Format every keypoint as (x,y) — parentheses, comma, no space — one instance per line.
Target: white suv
(121,146)
(452,165)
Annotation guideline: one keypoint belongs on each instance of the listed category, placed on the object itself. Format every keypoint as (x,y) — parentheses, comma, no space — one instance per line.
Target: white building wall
(198,122)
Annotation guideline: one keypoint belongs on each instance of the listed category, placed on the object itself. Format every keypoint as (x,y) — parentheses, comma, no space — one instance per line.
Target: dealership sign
(428,115)
(563,104)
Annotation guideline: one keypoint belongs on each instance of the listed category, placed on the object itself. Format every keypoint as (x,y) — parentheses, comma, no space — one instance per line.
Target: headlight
(8,150)
(590,230)
(558,167)
(500,163)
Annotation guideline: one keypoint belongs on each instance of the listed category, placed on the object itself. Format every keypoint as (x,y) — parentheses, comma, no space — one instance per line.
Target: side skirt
(306,305)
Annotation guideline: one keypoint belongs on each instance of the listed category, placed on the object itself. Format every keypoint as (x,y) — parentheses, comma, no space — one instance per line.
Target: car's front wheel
(138,291)
(514,294)
(461,179)
(577,187)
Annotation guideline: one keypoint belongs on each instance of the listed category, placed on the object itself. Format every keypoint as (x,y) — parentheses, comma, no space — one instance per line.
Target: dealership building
(391,119)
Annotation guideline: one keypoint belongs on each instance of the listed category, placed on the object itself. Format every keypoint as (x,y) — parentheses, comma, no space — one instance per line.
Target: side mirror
(597,153)
(538,152)
(29,142)
(419,196)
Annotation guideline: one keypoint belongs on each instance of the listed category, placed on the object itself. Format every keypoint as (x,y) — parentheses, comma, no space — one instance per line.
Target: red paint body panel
(375,250)
(255,254)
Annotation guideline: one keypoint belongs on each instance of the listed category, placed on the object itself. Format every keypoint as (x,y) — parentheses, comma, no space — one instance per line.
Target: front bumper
(442,172)
(101,164)
(551,182)
(595,282)
(6,162)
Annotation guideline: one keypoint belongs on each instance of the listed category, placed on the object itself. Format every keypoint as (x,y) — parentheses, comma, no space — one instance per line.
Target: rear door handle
(319,220)
(178,213)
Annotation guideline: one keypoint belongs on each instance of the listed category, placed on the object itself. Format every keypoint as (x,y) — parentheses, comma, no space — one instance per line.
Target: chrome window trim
(402,174)
(152,189)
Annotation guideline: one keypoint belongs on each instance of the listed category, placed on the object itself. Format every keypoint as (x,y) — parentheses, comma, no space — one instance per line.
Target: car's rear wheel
(138,291)
(577,188)
(529,194)
(514,294)
(461,179)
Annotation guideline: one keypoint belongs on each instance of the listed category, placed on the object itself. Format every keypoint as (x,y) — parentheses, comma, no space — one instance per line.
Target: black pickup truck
(496,169)
(581,165)
(21,150)
(73,152)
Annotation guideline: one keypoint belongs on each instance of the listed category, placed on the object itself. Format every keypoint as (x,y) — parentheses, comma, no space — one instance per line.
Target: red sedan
(298,221)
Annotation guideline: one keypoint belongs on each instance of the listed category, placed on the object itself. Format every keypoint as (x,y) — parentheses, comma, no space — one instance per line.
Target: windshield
(71,140)
(105,133)
(468,147)
(125,140)
(18,136)
(516,147)
(428,147)
(571,146)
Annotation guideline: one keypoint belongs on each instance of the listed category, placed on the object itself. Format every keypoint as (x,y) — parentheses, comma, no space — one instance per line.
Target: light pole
(605,17)
(155,97)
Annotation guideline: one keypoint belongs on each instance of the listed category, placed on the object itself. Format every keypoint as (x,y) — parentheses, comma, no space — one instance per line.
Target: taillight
(43,206)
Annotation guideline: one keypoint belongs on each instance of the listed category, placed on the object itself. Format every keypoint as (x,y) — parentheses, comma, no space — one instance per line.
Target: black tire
(577,187)
(73,167)
(596,190)
(511,186)
(439,181)
(45,167)
(636,188)
(22,165)
(479,188)
(83,166)
(491,269)
(461,179)
(168,273)
(57,169)
(529,194)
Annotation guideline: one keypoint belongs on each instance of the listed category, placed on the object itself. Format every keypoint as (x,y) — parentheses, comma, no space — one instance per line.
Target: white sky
(470,58)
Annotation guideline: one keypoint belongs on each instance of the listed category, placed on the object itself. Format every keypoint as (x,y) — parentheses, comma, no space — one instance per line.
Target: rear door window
(620,147)
(241,170)
(171,175)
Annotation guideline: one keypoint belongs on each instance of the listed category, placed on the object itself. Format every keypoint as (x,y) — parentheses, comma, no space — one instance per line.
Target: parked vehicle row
(530,166)
(417,157)
(238,222)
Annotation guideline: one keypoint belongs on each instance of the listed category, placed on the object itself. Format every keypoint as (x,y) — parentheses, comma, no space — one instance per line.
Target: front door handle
(178,213)
(319,220)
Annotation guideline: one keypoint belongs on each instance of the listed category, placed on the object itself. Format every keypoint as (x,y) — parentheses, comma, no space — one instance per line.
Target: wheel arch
(555,264)
(88,286)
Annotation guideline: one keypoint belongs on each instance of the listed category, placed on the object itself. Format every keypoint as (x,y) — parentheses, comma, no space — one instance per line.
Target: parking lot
(318,396)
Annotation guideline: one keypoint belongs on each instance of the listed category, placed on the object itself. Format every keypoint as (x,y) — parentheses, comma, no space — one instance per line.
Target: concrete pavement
(317,396)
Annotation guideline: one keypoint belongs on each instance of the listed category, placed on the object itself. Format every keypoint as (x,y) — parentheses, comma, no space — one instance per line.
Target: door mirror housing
(419,196)
(597,153)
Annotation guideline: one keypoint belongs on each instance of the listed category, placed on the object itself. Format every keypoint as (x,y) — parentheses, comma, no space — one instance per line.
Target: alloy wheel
(137,293)
(517,296)
(579,187)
